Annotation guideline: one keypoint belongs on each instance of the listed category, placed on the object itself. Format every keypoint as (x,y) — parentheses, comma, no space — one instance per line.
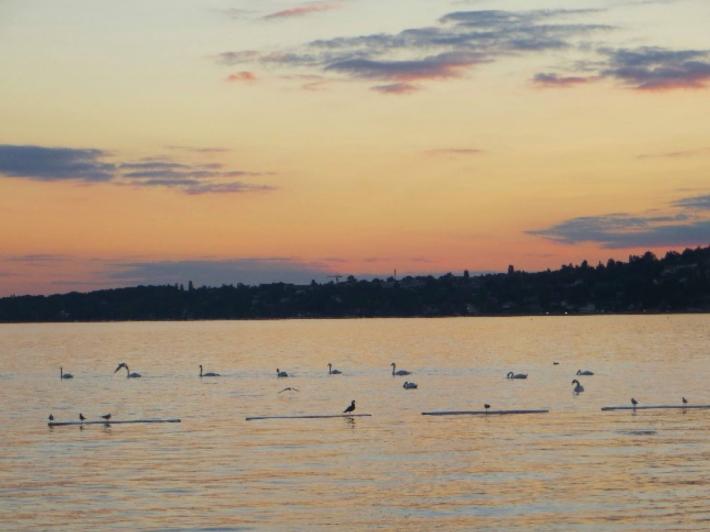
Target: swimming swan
(399,372)
(410,385)
(63,375)
(280,373)
(332,371)
(129,375)
(585,372)
(512,375)
(578,388)
(209,373)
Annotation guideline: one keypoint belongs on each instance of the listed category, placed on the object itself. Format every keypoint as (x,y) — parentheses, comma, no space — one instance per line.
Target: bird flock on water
(577,389)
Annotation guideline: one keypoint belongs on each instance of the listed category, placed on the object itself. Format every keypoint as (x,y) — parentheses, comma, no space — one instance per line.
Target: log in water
(307,417)
(483,412)
(655,407)
(110,422)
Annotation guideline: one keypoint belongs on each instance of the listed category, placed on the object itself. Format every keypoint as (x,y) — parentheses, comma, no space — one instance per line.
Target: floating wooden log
(484,412)
(307,417)
(111,422)
(655,407)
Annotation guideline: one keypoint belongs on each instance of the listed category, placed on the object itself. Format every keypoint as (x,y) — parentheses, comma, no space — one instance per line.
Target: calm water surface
(574,468)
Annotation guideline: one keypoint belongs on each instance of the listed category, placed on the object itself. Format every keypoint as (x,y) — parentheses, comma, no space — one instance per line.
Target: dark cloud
(90,165)
(553,80)
(217,272)
(695,202)
(456,43)
(395,88)
(622,230)
(658,69)
(55,164)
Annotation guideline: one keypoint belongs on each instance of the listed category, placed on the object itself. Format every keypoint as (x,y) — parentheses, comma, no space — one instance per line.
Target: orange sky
(252,142)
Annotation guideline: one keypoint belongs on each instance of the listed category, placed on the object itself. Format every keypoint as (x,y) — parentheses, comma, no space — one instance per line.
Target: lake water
(576,468)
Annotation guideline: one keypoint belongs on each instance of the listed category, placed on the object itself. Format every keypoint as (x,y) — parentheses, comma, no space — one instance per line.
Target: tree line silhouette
(678,282)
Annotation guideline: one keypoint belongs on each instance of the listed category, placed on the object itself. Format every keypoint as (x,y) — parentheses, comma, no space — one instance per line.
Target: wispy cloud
(214,272)
(659,69)
(242,76)
(688,225)
(395,88)
(198,149)
(91,165)
(450,48)
(303,10)
(677,154)
(454,151)
(546,79)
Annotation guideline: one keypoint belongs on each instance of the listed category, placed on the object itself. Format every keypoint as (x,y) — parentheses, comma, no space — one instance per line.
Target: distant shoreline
(678,283)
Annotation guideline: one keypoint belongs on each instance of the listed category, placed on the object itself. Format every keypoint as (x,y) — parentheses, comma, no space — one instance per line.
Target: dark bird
(209,373)
(63,375)
(584,372)
(107,417)
(349,409)
(512,375)
(280,373)
(399,372)
(51,417)
(555,363)
(129,375)
(332,371)
(486,406)
(634,401)
(289,389)
(685,401)
(578,388)
(81,417)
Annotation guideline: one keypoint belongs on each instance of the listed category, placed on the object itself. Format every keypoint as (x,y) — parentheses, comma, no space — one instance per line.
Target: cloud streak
(302,10)
(448,49)
(689,226)
(52,164)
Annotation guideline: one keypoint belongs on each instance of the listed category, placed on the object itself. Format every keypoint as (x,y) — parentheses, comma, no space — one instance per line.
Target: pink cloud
(302,10)
(244,75)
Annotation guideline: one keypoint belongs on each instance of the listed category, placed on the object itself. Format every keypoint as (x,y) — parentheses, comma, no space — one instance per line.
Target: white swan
(512,375)
(578,388)
(63,375)
(584,372)
(280,373)
(332,371)
(410,385)
(399,372)
(129,375)
(209,373)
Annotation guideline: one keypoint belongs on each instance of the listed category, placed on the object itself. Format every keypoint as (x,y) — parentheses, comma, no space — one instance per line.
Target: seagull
(332,371)
(634,402)
(578,387)
(63,375)
(81,417)
(349,409)
(51,417)
(410,385)
(289,389)
(129,375)
(209,373)
(685,401)
(400,372)
(585,372)
(280,373)
(107,417)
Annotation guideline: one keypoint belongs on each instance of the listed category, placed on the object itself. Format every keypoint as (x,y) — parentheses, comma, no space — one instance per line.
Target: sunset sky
(229,141)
